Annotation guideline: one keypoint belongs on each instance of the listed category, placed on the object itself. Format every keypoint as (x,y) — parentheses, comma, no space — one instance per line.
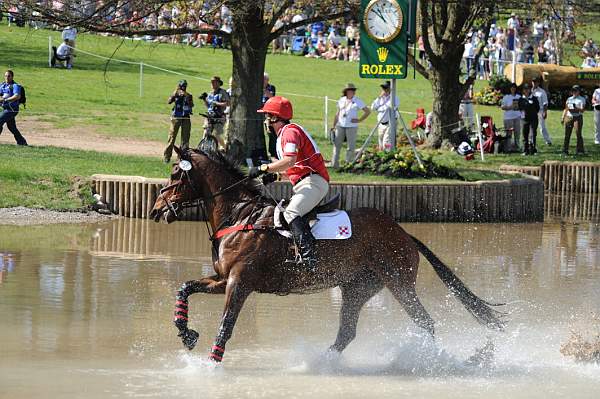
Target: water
(85,311)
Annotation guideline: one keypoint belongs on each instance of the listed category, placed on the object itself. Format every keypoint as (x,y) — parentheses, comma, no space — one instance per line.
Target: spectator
(269,91)
(346,123)
(352,34)
(542,97)
(542,55)
(180,118)
(538,32)
(10,93)
(528,51)
(64,53)
(512,117)
(588,62)
(529,106)
(216,102)
(465,110)
(382,105)
(596,107)
(572,117)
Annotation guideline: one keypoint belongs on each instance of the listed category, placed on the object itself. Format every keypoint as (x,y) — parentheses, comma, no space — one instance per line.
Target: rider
(303,164)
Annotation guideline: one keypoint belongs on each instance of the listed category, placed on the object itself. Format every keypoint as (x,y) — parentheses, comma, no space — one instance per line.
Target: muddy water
(85,311)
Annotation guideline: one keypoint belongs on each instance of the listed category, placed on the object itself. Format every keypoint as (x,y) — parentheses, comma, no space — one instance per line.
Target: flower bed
(400,164)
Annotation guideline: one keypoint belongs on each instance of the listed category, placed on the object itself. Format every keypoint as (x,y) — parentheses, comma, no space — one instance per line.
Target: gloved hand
(256,171)
(269,178)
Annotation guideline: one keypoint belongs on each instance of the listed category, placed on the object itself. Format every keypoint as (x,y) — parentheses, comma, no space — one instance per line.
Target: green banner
(588,76)
(383,39)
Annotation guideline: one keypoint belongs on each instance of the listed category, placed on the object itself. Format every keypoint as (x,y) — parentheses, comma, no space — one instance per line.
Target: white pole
(50,51)
(480,136)
(326,115)
(141,79)
(514,66)
(392,112)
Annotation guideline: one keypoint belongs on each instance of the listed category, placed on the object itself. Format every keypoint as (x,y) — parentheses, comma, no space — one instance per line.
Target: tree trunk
(249,47)
(446,89)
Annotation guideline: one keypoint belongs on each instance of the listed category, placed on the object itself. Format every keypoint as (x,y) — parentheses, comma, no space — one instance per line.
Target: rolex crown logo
(382,54)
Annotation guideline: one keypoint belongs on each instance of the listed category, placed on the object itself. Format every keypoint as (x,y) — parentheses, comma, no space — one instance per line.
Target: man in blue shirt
(216,102)
(10,96)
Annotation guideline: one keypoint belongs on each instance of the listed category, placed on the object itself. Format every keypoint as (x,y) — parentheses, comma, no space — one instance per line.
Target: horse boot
(305,243)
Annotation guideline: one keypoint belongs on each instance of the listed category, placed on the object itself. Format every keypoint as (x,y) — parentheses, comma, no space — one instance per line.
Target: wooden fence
(564,177)
(485,201)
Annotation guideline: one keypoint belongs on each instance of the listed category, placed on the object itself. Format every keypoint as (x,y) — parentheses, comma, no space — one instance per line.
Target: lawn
(105,98)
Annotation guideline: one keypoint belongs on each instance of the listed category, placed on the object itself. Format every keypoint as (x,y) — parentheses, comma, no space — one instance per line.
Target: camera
(203,96)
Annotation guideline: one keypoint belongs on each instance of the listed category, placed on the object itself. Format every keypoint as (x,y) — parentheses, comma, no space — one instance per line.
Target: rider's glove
(270,178)
(256,171)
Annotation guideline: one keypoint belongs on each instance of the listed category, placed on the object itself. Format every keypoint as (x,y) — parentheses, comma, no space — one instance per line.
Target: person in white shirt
(572,117)
(542,97)
(382,105)
(512,115)
(596,107)
(538,32)
(64,52)
(346,123)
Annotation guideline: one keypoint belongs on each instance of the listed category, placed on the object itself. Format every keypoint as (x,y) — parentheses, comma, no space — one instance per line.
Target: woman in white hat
(346,123)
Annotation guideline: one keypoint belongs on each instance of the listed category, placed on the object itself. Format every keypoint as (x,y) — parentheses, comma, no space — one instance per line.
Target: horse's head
(181,188)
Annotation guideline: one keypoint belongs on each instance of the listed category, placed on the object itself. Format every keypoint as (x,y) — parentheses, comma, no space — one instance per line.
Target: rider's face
(8,77)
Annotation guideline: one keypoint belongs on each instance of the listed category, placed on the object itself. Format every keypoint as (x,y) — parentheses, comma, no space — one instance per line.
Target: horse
(249,255)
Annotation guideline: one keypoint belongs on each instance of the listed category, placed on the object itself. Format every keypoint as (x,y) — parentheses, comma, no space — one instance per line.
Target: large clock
(383,20)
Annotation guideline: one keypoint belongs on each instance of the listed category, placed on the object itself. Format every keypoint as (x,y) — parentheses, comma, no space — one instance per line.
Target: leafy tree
(255,25)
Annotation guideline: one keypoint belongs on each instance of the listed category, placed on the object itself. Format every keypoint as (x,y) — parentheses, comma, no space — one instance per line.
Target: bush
(500,83)
(488,96)
(401,164)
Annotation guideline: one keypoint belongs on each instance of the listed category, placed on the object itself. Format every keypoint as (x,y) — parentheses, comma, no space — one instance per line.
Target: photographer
(216,101)
(529,106)
(180,118)
(572,117)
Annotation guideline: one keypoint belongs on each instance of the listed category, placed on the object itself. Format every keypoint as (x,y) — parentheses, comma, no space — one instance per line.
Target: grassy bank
(54,178)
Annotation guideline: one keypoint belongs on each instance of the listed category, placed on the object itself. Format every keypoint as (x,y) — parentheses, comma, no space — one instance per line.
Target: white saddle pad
(333,225)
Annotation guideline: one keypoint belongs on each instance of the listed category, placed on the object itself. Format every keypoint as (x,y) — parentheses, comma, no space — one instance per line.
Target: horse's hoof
(189,338)
(216,355)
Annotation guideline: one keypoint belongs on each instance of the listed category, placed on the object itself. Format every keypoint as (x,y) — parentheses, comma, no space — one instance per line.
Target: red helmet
(278,106)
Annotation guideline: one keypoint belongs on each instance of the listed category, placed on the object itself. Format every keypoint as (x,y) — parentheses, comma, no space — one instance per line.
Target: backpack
(23,99)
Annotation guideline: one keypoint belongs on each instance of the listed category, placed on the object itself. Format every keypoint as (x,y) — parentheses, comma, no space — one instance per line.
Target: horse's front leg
(208,285)
(235,296)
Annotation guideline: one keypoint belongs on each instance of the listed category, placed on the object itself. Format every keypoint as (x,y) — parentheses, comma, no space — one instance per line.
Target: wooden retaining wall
(572,207)
(485,201)
(564,177)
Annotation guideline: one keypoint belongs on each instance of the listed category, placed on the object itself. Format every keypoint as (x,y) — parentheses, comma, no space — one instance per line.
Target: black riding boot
(304,241)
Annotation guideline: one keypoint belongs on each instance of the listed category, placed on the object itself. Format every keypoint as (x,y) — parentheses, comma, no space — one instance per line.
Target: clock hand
(379,13)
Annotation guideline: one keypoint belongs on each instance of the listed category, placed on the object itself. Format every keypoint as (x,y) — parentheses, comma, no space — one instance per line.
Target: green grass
(104,98)
(44,177)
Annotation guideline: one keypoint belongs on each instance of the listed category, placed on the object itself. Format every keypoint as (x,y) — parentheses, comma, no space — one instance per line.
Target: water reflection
(96,302)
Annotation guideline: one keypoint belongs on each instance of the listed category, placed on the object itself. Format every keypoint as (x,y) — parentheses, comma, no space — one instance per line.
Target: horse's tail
(480,309)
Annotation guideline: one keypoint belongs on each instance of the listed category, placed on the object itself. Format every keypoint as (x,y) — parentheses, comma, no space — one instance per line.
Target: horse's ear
(178,151)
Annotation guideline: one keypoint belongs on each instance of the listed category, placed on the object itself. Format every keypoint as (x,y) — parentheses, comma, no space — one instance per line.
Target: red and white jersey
(292,140)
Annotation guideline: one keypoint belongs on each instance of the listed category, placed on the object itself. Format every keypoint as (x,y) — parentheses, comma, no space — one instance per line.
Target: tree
(255,25)
(444,26)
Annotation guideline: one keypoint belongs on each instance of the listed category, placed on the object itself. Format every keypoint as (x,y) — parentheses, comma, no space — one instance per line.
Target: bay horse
(249,255)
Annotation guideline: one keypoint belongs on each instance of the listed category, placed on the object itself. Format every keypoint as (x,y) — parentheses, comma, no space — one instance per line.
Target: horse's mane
(231,166)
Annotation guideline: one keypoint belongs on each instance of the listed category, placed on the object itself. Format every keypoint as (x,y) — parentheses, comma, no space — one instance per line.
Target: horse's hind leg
(354,295)
(406,294)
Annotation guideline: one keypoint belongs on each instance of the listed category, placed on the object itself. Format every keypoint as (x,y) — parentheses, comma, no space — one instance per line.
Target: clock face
(383,20)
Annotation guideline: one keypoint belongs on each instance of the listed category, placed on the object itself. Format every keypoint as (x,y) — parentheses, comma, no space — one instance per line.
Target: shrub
(488,96)
(401,163)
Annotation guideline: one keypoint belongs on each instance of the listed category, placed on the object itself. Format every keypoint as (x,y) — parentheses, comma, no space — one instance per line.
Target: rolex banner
(383,39)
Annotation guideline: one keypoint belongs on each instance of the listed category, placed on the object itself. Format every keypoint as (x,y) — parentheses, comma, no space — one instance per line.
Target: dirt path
(39,133)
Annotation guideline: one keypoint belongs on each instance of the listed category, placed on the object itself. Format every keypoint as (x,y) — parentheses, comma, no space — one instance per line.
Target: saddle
(327,221)
(329,206)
